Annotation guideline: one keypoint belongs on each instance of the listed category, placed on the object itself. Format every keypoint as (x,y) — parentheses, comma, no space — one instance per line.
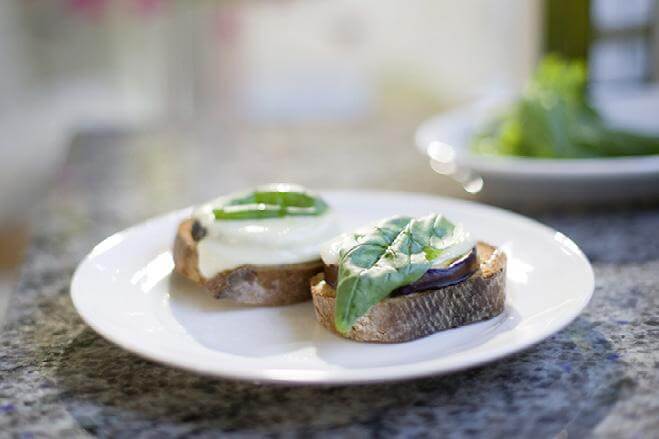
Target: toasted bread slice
(267,285)
(404,318)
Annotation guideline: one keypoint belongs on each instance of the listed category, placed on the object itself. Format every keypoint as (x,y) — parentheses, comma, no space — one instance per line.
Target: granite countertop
(598,377)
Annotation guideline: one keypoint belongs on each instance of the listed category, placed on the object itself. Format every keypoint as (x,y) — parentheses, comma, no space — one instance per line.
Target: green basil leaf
(262,204)
(394,253)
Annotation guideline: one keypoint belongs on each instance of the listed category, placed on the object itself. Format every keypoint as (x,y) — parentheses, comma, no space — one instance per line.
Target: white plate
(126,291)
(446,138)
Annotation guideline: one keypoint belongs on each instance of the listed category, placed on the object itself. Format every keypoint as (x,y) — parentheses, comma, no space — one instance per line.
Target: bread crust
(405,318)
(265,285)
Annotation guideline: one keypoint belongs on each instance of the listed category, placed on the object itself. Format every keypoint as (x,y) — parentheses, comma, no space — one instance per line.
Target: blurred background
(188,70)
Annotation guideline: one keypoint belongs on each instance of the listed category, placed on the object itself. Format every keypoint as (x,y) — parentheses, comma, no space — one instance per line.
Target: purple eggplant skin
(432,279)
(436,278)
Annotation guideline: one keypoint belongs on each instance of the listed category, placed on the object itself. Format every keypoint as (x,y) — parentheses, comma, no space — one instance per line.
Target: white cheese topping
(271,241)
(329,251)
(462,243)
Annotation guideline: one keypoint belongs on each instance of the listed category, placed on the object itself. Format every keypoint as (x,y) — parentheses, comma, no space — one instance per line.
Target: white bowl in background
(516,180)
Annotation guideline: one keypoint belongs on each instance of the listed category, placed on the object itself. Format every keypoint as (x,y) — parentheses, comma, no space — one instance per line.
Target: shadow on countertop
(567,383)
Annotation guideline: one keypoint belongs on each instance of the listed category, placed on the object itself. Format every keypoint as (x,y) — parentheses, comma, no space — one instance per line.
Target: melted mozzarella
(329,251)
(271,241)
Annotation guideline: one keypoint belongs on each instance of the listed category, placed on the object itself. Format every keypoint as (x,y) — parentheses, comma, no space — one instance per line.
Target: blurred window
(625,42)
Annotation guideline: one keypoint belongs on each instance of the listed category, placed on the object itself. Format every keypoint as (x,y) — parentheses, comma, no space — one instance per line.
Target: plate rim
(337,377)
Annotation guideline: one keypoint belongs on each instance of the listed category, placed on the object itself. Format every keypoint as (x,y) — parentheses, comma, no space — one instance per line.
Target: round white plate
(126,291)
(445,139)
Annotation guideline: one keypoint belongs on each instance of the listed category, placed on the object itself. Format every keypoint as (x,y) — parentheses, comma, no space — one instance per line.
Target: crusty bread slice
(404,318)
(267,285)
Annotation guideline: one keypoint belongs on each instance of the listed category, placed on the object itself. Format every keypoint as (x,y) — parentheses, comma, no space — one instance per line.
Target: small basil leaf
(270,204)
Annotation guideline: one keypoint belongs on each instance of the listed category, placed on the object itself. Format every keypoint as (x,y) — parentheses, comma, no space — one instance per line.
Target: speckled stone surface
(598,377)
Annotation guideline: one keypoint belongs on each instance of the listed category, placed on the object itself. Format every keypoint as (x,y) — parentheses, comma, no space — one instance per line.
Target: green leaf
(553,119)
(262,204)
(431,253)
(394,253)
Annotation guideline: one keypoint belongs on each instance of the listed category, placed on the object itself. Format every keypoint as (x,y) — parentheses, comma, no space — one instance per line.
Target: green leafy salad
(393,253)
(553,119)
